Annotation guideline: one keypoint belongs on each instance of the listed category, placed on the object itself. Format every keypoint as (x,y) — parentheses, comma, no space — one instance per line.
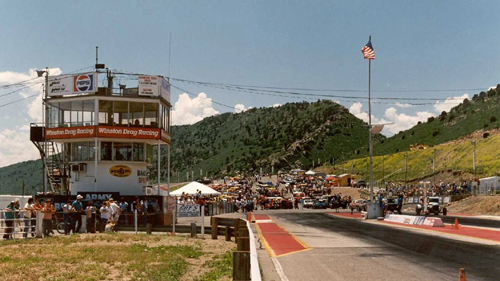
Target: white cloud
(189,111)
(276,105)
(403,105)
(16,147)
(449,103)
(239,108)
(403,121)
(355,109)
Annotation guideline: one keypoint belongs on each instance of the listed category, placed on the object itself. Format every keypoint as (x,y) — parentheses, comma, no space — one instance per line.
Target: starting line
(276,239)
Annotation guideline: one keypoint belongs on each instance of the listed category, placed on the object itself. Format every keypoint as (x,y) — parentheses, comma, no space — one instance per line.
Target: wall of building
(128,178)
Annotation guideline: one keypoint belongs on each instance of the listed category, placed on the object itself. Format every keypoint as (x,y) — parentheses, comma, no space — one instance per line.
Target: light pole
(474,163)
(406,168)
(45,102)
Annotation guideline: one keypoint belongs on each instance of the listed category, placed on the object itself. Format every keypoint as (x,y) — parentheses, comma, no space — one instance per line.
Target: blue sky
(419,46)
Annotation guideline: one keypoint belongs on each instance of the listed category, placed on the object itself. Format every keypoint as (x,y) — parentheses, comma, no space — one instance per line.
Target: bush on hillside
(485,125)
(485,135)
(430,119)
(442,117)
(435,133)
(491,93)
(493,119)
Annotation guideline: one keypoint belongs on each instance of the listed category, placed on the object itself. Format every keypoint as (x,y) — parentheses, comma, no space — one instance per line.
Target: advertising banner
(129,132)
(149,86)
(188,210)
(68,133)
(84,83)
(165,89)
(60,85)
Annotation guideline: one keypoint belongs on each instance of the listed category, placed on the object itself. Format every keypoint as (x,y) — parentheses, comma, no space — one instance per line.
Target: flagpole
(370,126)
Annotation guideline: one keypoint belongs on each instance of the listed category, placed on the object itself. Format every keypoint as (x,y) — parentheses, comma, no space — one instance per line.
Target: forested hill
(482,112)
(289,136)
(292,135)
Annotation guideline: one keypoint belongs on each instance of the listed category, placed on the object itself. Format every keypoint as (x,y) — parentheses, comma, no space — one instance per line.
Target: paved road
(347,249)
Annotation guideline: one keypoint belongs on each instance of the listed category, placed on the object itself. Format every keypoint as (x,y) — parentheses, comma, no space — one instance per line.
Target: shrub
(485,135)
(493,119)
(485,125)
(435,133)
(430,119)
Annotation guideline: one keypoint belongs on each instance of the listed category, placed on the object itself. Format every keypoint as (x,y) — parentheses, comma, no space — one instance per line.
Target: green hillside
(482,112)
(12,177)
(309,135)
(292,135)
(453,159)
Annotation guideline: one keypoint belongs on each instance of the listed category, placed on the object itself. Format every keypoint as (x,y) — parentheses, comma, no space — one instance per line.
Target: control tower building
(101,139)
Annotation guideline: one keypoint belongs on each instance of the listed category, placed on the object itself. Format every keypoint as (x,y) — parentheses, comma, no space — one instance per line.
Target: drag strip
(479,260)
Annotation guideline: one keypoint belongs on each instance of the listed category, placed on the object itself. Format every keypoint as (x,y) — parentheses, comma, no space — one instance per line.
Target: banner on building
(188,210)
(148,86)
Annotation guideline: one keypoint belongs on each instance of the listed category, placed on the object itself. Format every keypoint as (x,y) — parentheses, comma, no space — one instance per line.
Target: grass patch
(106,257)
(220,266)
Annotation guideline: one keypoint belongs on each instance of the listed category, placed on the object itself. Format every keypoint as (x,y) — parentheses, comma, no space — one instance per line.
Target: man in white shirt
(115,210)
(28,211)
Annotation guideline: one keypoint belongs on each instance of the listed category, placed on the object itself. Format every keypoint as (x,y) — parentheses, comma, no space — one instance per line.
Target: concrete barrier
(254,262)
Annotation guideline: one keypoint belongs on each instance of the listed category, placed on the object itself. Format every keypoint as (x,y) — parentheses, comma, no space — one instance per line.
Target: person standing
(115,210)
(90,213)
(123,216)
(381,204)
(9,220)
(77,213)
(67,213)
(104,215)
(28,211)
(48,210)
(157,210)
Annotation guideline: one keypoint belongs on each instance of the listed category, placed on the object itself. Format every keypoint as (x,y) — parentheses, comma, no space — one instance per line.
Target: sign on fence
(188,210)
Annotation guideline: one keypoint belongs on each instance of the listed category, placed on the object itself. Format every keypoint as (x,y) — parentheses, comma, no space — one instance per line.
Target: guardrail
(19,226)
(245,261)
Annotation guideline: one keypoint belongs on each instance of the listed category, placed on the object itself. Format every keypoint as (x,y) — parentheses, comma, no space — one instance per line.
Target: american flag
(368,52)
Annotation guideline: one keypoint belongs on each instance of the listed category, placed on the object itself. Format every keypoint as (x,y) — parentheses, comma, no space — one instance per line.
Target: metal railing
(19,226)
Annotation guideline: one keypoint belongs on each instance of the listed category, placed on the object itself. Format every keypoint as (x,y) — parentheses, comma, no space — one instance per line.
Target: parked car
(308,202)
(360,183)
(317,194)
(320,204)
(358,205)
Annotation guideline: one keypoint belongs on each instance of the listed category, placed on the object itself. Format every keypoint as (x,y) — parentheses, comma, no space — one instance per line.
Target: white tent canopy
(192,188)
(310,172)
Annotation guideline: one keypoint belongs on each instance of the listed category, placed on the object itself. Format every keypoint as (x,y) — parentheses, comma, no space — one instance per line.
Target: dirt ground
(479,205)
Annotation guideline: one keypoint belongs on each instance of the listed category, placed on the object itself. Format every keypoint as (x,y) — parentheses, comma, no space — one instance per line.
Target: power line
(193,95)
(28,97)
(324,90)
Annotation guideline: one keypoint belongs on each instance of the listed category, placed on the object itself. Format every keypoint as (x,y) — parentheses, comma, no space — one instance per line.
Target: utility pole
(383,171)
(434,168)
(474,163)
(406,168)
(46,125)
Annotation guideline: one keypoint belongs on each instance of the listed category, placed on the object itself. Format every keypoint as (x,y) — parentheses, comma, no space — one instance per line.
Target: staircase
(55,170)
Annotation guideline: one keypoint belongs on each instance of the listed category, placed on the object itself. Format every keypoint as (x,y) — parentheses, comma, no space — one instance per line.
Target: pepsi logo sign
(83,83)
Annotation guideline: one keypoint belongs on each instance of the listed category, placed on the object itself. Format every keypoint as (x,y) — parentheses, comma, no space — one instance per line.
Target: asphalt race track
(347,249)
